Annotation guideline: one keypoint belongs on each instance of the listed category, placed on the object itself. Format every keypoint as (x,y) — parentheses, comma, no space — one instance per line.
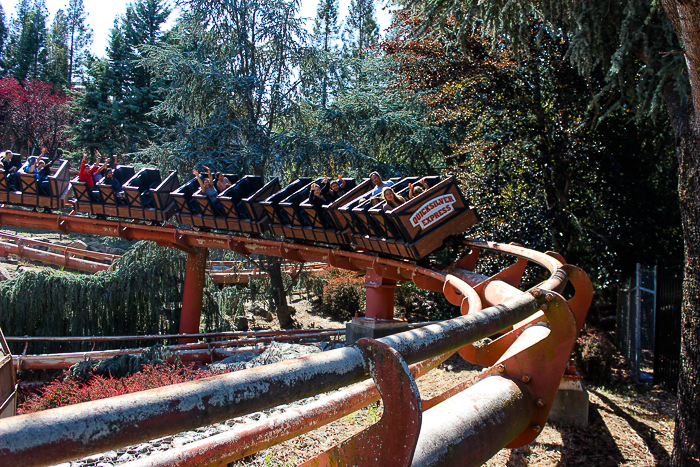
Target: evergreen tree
(100,106)
(322,70)
(28,41)
(56,70)
(361,26)
(79,36)
(120,92)
(230,82)
(3,40)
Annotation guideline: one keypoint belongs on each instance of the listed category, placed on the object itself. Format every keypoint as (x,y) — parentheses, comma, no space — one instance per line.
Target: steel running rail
(507,406)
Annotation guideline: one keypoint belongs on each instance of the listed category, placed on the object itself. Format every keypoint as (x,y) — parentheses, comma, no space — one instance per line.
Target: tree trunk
(279,296)
(686,442)
(685,18)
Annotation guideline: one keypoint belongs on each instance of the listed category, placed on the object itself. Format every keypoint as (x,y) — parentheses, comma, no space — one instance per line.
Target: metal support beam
(380,296)
(193,291)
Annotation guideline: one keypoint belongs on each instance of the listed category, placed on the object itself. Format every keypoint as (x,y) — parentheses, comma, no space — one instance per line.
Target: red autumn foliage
(33,114)
(71,391)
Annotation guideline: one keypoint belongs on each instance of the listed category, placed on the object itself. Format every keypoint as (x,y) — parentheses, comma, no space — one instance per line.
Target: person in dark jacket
(333,190)
(317,199)
(43,183)
(110,179)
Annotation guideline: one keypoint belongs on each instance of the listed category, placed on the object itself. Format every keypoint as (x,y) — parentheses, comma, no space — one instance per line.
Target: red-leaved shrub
(71,391)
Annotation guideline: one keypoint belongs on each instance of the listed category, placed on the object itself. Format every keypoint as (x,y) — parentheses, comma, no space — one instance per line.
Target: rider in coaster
(379,184)
(335,189)
(7,161)
(208,189)
(221,182)
(392,199)
(417,189)
(110,179)
(29,167)
(318,199)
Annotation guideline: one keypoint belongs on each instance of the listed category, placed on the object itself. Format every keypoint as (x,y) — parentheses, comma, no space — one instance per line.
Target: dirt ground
(629,424)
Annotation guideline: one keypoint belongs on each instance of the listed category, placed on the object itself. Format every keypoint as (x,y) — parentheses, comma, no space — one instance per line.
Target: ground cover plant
(70,389)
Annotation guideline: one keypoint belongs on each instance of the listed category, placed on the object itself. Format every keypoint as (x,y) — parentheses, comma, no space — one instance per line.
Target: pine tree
(120,92)
(56,70)
(79,39)
(100,106)
(322,69)
(3,40)
(361,26)
(28,41)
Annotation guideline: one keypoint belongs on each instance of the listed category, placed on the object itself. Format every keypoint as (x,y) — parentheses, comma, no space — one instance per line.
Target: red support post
(380,296)
(195,275)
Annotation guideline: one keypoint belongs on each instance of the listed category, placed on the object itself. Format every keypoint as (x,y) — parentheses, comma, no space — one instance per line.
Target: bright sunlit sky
(101,15)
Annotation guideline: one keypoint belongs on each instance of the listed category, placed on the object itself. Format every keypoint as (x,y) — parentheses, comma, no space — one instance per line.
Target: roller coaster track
(533,333)
(220,272)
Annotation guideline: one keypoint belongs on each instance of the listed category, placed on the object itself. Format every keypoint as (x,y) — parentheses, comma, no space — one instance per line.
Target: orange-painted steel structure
(507,406)
(68,257)
(209,352)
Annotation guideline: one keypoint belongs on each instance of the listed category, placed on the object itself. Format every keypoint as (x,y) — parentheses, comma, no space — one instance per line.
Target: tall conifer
(56,70)
(79,36)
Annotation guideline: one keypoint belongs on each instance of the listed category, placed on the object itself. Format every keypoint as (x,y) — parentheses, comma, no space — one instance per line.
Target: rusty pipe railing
(203,352)
(245,440)
(70,432)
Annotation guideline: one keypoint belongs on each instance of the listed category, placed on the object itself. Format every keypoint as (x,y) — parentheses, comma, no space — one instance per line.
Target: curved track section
(507,406)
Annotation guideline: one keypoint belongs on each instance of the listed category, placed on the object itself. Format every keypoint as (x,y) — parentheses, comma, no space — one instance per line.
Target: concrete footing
(362,327)
(570,404)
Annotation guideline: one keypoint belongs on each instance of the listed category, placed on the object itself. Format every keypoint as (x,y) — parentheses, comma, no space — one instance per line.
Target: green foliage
(56,71)
(229,82)
(119,94)
(342,292)
(78,39)
(361,27)
(26,49)
(366,128)
(417,305)
(143,296)
(527,150)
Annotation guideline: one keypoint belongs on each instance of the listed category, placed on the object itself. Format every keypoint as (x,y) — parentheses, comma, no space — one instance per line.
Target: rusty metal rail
(506,407)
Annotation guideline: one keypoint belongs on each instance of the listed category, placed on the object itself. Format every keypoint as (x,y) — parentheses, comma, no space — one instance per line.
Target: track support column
(379,310)
(193,291)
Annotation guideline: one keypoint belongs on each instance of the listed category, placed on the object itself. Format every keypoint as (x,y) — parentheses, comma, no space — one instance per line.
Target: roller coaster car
(272,204)
(310,223)
(50,194)
(149,197)
(419,226)
(356,213)
(238,207)
(146,196)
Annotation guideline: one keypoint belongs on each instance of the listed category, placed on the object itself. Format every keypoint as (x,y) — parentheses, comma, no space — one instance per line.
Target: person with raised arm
(208,188)
(417,189)
(335,189)
(86,174)
(318,199)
